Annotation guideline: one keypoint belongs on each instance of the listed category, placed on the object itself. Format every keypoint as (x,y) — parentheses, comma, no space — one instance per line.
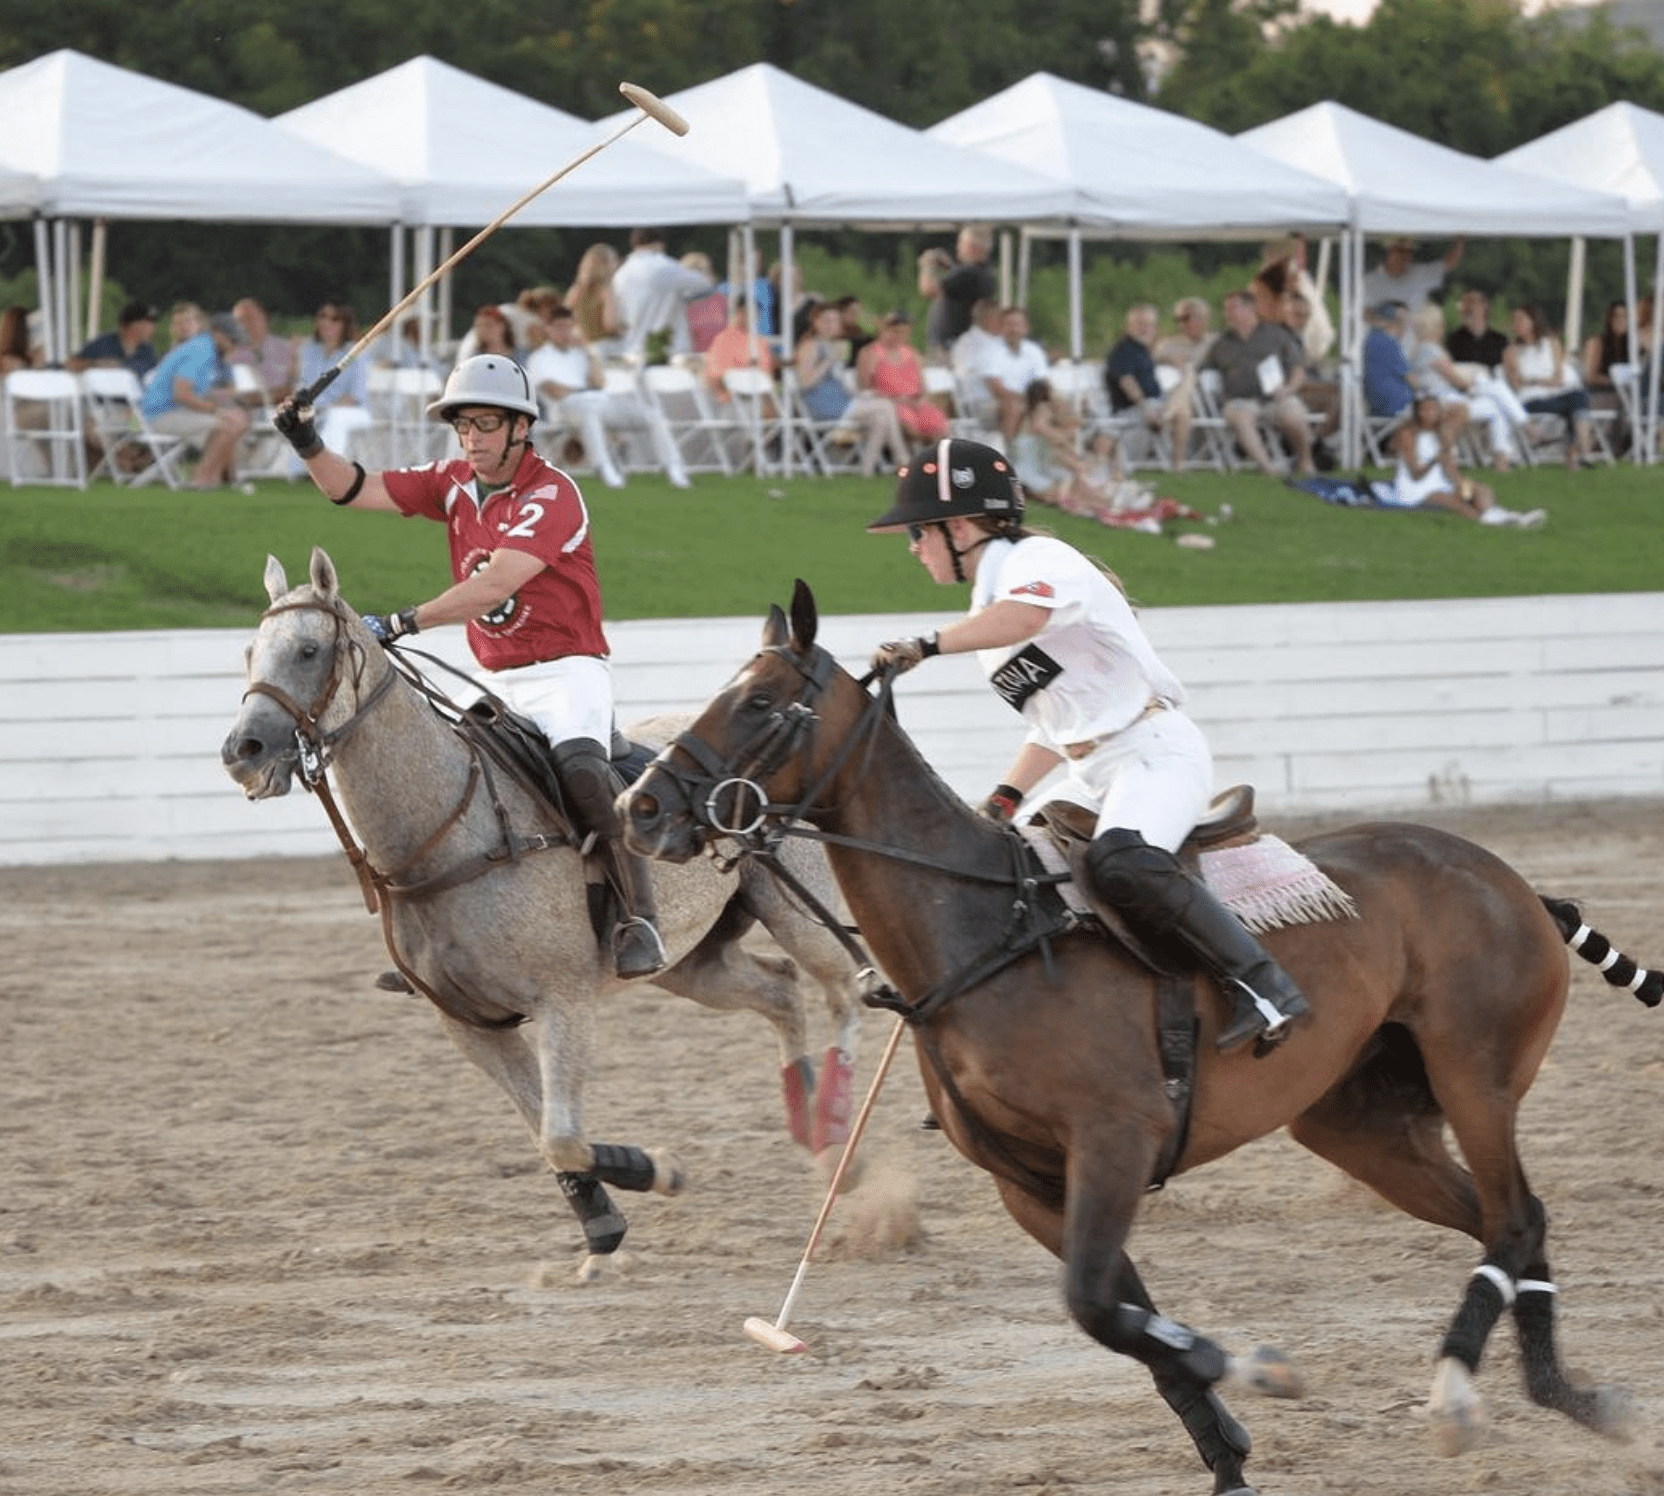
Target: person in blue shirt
(190,395)
(128,346)
(1387,388)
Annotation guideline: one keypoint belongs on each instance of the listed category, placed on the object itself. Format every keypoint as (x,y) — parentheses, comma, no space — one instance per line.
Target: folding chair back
(263,453)
(45,442)
(135,453)
(698,430)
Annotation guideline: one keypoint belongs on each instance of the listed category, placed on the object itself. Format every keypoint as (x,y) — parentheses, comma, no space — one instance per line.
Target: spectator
(1475,341)
(890,367)
(1259,367)
(592,299)
(129,346)
(816,363)
(1427,475)
(1607,347)
(189,397)
(761,295)
(1317,334)
(1130,376)
(491,333)
(269,354)
(1537,371)
(852,327)
(1010,367)
(707,313)
(341,408)
(799,305)
(567,375)
(1186,347)
(1484,397)
(1388,393)
(966,356)
(1400,278)
(653,292)
(185,320)
(737,346)
(1319,390)
(954,286)
(528,317)
(1047,459)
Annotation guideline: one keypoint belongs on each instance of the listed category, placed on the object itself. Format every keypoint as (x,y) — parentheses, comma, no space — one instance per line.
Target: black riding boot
(1149,887)
(590,786)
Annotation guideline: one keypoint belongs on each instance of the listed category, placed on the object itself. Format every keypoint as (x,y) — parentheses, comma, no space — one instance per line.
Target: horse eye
(759,701)
(309,651)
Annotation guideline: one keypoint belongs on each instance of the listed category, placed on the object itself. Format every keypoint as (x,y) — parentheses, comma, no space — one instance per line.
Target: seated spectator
(1259,368)
(189,396)
(1485,398)
(816,363)
(890,367)
(1319,389)
(18,352)
(852,327)
(1188,345)
(185,320)
(707,312)
(1389,389)
(798,305)
(1537,371)
(1317,332)
(1475,341)
(1046,456)
(491,332)
(343,407)
(1399,277)
(1607,347)
(1010,366)
(1130,377)
(1427,475)
(528,317)
(593,301)
(269,354)
(570,383)
(737,346)
(127,347)
(760,294)
(966,357)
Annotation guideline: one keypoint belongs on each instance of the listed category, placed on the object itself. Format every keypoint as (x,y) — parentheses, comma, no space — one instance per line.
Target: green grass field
(111,558)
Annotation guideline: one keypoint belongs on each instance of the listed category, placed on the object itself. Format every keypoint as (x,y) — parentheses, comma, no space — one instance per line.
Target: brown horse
(1434,1007)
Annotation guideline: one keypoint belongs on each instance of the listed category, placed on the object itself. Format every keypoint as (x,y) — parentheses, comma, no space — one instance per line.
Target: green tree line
(1475,74)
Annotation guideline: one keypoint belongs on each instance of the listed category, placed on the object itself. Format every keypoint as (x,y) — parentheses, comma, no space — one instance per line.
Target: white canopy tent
(1617,149)
(108,143)
(1150,174)
(1399,183)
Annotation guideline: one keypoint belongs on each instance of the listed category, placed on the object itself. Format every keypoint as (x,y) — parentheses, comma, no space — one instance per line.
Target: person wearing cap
(268,353)
(524,584)
(128,347)
(189,396)
(1400,277)
(1060,644)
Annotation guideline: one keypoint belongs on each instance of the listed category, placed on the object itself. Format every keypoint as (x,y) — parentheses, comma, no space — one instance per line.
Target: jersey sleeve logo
(1033,589)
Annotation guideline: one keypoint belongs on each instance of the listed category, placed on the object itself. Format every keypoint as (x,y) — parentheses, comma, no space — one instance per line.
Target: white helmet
(487,379)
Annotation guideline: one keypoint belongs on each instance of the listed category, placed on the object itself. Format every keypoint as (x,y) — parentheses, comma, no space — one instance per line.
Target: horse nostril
(644,809)
(241,750)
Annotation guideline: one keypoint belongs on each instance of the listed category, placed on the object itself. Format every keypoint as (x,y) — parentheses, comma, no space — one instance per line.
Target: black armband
(929,645)
(357,484)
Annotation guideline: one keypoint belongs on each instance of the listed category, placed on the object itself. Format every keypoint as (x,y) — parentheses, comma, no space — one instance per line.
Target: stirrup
(637,950)
(1257,1019)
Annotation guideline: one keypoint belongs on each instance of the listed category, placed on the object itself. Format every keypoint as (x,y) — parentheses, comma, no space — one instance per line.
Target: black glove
(390,626)
(294,424)
(1002,805)
(901,655)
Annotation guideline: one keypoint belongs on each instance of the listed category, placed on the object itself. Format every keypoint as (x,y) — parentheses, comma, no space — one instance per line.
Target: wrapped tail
(1595,948)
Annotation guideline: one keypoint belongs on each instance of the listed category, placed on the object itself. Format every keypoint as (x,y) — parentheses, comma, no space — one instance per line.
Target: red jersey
(541,512)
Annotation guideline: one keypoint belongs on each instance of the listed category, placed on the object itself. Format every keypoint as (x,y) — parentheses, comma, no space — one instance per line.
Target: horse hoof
(1616,1413)
(598,1265)
(669,1177)
(1269,1372)
(1458,1430)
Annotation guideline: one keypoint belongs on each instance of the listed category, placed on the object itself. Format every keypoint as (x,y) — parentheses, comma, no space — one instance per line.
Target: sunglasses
(485,425)
(916,533)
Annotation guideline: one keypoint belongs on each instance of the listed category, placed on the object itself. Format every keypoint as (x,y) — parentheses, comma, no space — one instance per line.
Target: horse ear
(804,617)
(323,573)
(277,584)
(774,627)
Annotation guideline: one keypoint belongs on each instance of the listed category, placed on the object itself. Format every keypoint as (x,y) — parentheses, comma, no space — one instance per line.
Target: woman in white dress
(1428,476)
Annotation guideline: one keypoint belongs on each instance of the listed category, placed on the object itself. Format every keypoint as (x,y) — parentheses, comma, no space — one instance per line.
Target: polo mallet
(776,1336)
(649,106)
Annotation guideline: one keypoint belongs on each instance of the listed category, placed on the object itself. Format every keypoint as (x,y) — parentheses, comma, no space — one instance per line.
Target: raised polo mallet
(649,107)
(776,1336)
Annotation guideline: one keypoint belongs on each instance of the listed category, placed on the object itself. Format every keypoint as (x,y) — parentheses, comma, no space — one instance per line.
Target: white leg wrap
(1535,1285)
(1504,1284)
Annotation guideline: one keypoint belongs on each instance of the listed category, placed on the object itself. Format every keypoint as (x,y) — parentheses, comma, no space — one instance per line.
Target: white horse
(484,899)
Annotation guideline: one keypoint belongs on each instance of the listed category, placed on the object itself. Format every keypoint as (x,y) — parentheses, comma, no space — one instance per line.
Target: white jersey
(1090,671)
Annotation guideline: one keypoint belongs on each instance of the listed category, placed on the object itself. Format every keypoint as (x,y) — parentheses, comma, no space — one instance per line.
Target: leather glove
(901,655)
(390,626)
(1002,804)
(294,424)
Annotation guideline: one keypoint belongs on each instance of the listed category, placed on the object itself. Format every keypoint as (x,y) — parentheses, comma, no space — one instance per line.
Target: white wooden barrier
(109,743)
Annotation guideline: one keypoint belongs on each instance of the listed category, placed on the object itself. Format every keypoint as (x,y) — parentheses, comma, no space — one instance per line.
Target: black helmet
(953,478)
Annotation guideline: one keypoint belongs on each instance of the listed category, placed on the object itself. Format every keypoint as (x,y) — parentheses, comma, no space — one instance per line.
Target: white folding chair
(759,414)
(1215,445)
(135,452)
(819,445)
(45,439)
(263,453)
(698,430)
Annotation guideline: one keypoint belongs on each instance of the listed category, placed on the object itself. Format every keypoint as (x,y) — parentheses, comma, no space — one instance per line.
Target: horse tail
(1595,948)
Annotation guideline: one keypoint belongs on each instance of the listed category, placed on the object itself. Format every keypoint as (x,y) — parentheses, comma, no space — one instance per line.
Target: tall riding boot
(1160,899)
(587,778)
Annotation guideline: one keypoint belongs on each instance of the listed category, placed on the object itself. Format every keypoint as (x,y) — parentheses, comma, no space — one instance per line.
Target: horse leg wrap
(604,1227)
(1490,1291)
(621,1165)
(797,1086)
(1164,1345)
(834,1101)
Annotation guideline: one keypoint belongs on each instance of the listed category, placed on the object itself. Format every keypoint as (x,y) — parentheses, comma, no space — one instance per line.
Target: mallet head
(651,104)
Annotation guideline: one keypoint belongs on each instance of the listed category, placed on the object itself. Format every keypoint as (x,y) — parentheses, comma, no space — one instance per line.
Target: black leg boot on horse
(587,778)
(1149,888)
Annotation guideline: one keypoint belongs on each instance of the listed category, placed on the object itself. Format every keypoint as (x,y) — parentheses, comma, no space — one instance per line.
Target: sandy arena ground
(263,1230)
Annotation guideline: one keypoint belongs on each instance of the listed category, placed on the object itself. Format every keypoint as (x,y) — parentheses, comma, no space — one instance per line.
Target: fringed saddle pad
(1265,883)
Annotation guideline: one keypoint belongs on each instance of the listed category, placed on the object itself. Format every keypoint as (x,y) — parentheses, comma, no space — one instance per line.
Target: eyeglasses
(916,533)
(485,425)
